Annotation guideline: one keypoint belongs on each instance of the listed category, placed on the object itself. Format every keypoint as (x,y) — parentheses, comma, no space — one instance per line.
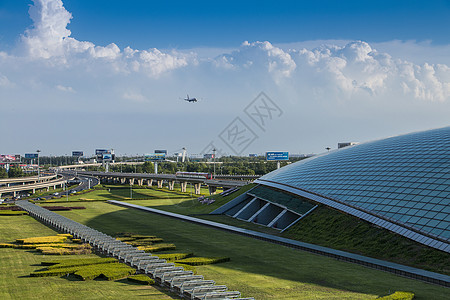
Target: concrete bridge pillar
(123,180)
(183,186)
(197,187)
(48,188)
(34,191)
(171,185)
(131,180)
(212,190)
(160,184)
(140,181)
(149,182)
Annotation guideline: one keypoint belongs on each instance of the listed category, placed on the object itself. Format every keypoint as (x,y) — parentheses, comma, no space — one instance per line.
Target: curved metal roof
(405,179)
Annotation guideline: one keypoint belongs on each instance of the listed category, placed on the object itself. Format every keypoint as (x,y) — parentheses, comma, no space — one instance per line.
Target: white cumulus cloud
(50,39)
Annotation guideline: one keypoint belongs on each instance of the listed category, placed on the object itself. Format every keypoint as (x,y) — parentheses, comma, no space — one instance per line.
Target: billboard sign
(31,155)
(107,156)
(253,155)
(277,156)
(161,151)
(77,153)
(101,151)
(155,157)
(7,158)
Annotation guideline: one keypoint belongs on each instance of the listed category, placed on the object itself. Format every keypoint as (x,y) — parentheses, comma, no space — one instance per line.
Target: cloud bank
(356,68)
(51,68)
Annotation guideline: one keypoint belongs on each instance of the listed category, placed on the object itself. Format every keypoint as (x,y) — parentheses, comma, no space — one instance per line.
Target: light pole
(214,162)
(131,191)
(39,173)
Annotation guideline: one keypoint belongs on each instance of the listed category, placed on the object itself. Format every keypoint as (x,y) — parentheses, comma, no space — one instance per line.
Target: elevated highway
(23,180)
(170,179)
(14,189)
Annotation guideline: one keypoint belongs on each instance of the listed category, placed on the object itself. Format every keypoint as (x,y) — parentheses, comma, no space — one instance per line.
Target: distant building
(342,145)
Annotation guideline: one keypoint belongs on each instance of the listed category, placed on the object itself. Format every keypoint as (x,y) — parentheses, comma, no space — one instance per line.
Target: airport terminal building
(400,183)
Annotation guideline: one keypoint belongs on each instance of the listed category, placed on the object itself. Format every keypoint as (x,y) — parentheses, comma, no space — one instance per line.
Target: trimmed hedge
(200,261)
(125,239)
(174,256)
(187,267)
(157,247)
(43,240)
(63,251)
(399,296)
(110,271)
(64,263)
(145,242)
(141,278)
(9,207)
(140,236)
(68,235)
(12,213)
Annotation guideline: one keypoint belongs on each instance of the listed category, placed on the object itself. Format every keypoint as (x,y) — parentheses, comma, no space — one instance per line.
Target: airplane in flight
(190,99)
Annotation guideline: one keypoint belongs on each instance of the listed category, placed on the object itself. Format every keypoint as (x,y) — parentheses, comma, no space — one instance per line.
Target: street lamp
(39,173)
(214,162)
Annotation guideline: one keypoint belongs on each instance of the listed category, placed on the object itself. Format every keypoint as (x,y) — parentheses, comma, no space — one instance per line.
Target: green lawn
(257,268)
(17,264)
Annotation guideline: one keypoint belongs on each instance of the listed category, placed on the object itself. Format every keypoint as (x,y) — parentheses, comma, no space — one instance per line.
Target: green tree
(15,172)
(3,173)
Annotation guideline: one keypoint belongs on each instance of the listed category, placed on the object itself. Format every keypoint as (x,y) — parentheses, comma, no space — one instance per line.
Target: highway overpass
(170,179)
(23,180)
(32,187)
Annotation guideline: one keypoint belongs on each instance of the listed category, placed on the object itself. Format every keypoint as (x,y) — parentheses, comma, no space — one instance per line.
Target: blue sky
(189,24)
(337,70)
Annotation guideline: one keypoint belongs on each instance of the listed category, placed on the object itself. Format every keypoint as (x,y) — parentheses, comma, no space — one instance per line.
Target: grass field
(17,264)
(257,268)
(323,226)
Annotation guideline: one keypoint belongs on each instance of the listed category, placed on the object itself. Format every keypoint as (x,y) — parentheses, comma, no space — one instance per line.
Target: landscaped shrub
(57,208)
(68,235)
(141,278)
(157,247)
(399,296)
(125,239)
(12,213)
(145,242)
(199,261)
(140,236)
(110,271)
(77,241)
(55,272)
(187,267)
(63,251)
(174,256)
(7,245)
(10,207)
(43,240)
(64,263)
